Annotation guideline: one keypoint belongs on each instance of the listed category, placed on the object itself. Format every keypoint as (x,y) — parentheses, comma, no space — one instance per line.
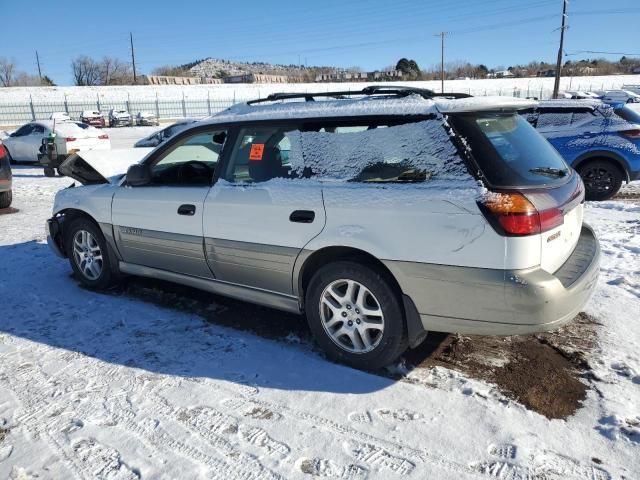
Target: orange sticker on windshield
(256,152)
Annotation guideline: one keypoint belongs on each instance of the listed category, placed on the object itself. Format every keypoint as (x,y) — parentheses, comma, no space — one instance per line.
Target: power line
(556,83)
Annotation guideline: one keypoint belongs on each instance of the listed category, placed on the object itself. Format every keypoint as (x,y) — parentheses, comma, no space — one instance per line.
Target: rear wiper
(549,171)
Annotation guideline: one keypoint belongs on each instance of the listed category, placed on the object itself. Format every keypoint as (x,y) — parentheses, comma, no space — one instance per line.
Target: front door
(259,217)
(160,225)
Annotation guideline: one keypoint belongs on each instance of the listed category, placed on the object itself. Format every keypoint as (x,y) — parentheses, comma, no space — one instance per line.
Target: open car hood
(91,167)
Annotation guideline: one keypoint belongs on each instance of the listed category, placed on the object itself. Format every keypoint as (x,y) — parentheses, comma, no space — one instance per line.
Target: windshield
(509,151)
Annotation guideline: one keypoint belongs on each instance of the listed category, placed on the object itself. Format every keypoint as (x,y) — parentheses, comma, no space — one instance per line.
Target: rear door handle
(302,216)
(187,209)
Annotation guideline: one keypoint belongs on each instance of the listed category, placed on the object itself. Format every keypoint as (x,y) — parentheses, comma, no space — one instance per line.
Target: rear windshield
(509,151)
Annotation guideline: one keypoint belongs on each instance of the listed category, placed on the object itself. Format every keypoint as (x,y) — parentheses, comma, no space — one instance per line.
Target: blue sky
(367,33)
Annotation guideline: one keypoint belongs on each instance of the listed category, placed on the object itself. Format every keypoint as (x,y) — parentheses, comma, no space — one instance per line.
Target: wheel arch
(67,215)
(309,262)
(608,155)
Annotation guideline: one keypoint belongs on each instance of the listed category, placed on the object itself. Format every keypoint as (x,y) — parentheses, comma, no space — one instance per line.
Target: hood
(91,167)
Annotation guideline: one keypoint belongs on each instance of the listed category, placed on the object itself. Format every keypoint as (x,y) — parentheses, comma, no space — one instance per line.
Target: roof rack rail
(398,91)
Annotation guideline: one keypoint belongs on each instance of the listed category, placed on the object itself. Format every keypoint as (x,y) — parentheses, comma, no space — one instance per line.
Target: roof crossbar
(398,91)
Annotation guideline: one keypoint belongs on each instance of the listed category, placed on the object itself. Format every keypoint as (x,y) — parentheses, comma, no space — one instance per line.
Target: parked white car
(24,144)
(60,117)
(156,138)
(381,217)
(93,118)
(620,96)
(120,118)
(147,118)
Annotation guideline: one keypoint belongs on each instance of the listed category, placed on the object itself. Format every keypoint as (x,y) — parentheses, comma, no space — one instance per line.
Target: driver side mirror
(138,175)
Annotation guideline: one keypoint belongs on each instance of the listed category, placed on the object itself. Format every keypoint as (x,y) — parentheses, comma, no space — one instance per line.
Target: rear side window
(509,151)
(412,152)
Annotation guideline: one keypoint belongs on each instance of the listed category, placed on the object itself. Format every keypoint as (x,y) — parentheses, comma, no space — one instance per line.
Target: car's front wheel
(89,254)
(602,179)
(355,315)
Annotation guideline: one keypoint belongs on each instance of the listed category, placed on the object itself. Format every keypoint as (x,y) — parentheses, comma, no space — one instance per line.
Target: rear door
(160,225)
(258,216)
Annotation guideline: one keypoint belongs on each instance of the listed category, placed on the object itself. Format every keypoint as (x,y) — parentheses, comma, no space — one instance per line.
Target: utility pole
(133,59)
(556,83)
(441,35)
(38,62)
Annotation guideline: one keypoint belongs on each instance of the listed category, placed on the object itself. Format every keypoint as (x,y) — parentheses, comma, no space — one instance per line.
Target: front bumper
(498,302)
(121,121)
(54,237)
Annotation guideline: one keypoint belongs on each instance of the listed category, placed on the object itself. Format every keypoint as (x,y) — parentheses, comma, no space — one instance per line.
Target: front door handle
(302,216)
(187,209)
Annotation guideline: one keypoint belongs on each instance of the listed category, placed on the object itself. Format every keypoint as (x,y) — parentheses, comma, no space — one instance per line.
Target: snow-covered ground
(108,385)
(496,86)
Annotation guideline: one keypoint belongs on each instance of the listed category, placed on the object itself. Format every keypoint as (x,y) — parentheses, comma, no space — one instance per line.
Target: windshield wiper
(549,171)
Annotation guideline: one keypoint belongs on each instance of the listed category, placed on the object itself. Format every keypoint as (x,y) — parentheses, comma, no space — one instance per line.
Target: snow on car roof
(63,127)
(367,105)
(572,103)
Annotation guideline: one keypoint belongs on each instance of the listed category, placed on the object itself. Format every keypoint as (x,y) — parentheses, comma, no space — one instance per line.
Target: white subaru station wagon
(381,215)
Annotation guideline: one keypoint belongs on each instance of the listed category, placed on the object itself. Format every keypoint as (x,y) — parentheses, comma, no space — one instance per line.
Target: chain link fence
(19,113)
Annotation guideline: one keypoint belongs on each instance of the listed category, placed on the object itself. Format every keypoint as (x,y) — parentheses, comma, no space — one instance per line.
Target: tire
(49,172)
(60,174)
(5,199)
(379,346)
(98,271)
(602,179)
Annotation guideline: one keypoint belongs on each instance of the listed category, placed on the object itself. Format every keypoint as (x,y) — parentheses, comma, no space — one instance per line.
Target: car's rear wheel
(89,254)
(49,172)
(6,199)
(602,179)
(355,315)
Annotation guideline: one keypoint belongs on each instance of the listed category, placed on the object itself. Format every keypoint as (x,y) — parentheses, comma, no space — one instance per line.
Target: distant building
(256,78)
(343,76)
(167,80)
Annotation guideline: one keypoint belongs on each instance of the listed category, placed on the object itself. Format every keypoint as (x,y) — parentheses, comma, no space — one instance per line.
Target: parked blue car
(601,142)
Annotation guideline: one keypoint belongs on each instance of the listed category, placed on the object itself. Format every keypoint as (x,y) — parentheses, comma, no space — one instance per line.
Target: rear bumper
(498,302)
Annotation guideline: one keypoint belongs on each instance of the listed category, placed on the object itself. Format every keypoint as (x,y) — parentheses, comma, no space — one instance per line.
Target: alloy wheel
(87,254)
(351,316)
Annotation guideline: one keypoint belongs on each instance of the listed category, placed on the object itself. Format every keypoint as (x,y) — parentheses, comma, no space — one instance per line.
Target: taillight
(517,216)
(632,134)
(104,136)
(70,139)
(3,151)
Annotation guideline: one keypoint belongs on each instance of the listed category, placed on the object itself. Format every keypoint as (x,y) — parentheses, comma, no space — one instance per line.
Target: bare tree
(115,72)
(7,72)
(86,71)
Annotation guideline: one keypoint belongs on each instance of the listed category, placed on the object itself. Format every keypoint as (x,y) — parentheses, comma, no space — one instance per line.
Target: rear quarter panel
(412,223)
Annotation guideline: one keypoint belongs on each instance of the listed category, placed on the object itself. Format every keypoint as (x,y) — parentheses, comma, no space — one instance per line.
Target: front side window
(191,161)
(22,131)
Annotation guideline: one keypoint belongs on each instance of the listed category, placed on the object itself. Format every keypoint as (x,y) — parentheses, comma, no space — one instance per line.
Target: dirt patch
(8,211)
(3,434)
(542,372)
(628,195)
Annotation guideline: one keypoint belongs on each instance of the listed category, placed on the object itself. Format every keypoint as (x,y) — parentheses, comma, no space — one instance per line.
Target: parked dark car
(6,194)
(602,145)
